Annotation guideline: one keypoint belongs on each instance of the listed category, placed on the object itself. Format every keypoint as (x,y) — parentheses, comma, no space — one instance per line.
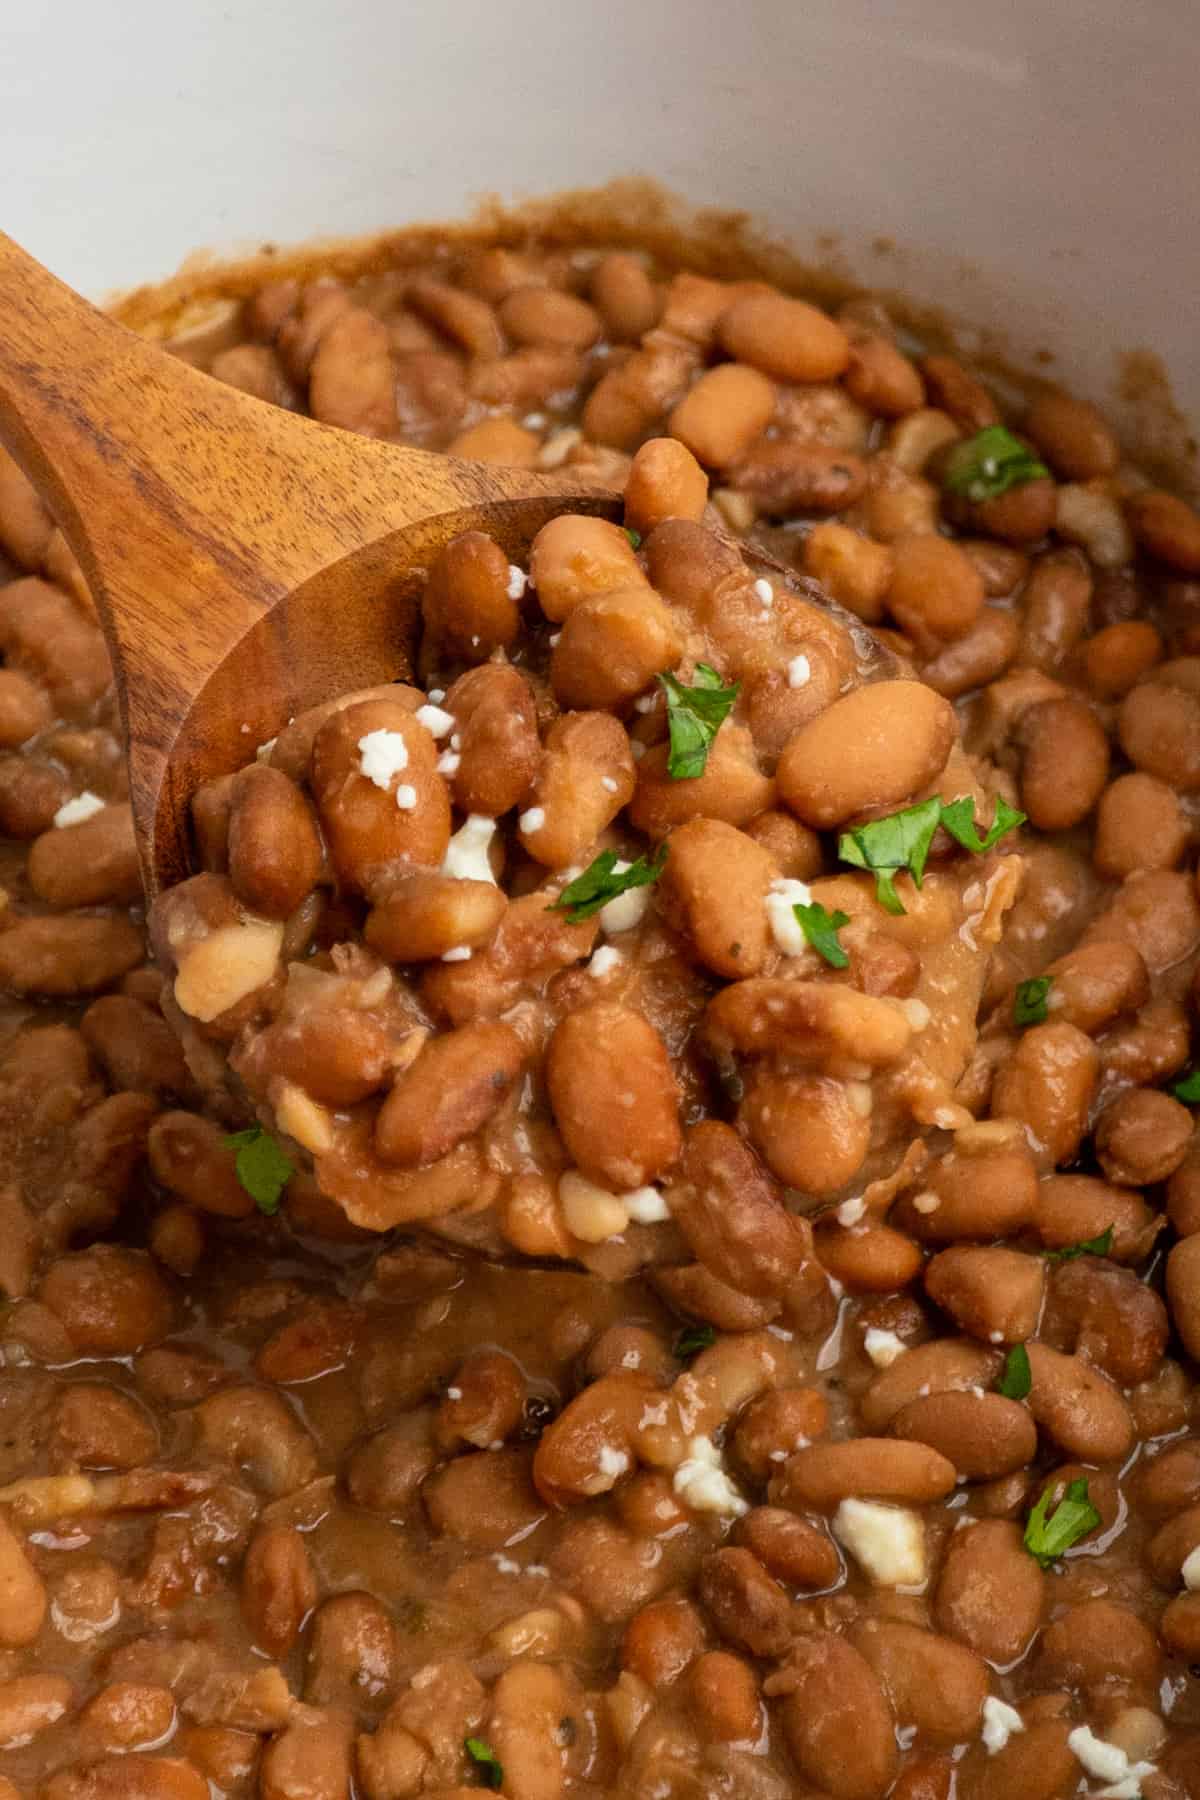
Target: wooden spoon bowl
(246,562)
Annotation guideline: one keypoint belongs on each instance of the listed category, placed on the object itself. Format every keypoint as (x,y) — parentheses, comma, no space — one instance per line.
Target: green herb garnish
(262,1168)
(821,929)
(603,880)
(487,1763)
(694,716)
(691,1342)
(989,464)
(1097,1246)
(1029,1001)
(1188,1090)
(958,818)
(635,537)
(885,846)
(1072,1519)
(902,841)
(1016,1377)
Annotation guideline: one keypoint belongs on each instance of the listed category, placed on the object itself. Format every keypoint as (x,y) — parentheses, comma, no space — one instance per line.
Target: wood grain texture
(246,562)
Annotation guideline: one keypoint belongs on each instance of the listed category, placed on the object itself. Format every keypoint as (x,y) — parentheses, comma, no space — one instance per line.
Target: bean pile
(634,1229)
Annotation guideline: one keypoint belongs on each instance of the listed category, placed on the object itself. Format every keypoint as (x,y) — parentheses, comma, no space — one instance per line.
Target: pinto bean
(732,786)
(1159,729)
(386,1470)
(1077,1406)
(44,635)
(487,1500)
(836,1718)
(722,414)
(990,1591)
(351,381)
(1098,1641)
(370,835)
(467,608)
(1142,1136)
(872,1259)
(586,776)
(983,1435)
(279,1588)
(665,482)
(496,723)
(733,1216)
(946,1365)
(1139,825)
(465,318)
(1047,1082)
(902,734)
(975,659)
(275,852)
(613,1093)
(68,954)
(310,1756)
(451,1090)
(352,1652)
(123,1777)
(1074,1208)
(252,1429)
(1166,527)
(1064,766)
(933,1682)
(612,646)
(1109,1316)
(855,571)
(793,1550)
(782,477)
(575,558)
(112,1301)
(820,1477)
(778,1422)
(1183,1291)
(22,1592)
(626,297)
(991,1293)
(136,1047)
(1037,1763)
(748,1607)
(714,889)
(661,1641)
(336,1055)
(991,1195)
(1073,436)
(93,863)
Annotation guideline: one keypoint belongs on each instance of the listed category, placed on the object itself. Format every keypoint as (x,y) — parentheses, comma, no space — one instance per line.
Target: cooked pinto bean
(944,1366)
(836,1718)
(1183,1291)
(1064,763)
(454,1086)
(665,482)
(750,1609)
(93,863)
(733,1216)
(68,954)
(111,1300)
(1142,1137)
(253,1429)
(613,1094)
(902,735)
(1077,1406)
(1072,1209)
(586,776)
(1139,825)
(1099,1641)
(933,1683)
(359,792)
(1159,728)
(732,788)
(1048,1082)
(1167,528)
(279,1588)
(820,1477)
(990,1592)
(723,413)
(22,1591)
(496,725)
(275,850)
(612,646)
(351,1652)
(993,1294)
(983,1435)
(977,1196)
(936,592)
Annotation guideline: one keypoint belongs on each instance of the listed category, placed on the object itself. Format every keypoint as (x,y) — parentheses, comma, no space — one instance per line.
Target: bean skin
(990,1591)
(614,1096)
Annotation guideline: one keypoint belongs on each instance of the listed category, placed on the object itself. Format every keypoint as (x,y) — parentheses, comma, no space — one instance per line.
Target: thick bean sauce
(630,1231)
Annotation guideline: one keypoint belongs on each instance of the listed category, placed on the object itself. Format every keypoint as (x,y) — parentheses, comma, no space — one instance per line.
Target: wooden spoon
(246,563)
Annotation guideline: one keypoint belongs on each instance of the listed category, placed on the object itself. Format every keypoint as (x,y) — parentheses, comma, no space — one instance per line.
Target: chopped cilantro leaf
(1188,1090)
(603,880)
(487,1763)
(1029,1001)
(694,716)
(987,465)
(1074,1516)
(821,929)
(958,817)
(635,537)
(691,1342)
(1097,1246)
(1016,1377)
(262,1168)
(885,846)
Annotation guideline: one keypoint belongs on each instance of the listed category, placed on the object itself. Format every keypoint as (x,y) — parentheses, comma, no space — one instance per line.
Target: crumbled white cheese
(860,1098)
(516,582)
(645,1205)
(460,953)
(466,857)
(888,1542)
(604,961)
(799,672)
(263,753)
(785,926)
(506,1565)
(608,784)
(454,1393)
(381,755)
(448,762)
(613,1463)
(1108,1762)
(436,696)
(926,1203)
(74,812)
(917,1013)
(436,720)
(851,1211)
(627,910)
(883,1347)
(1191,1570)
(1000,1722)
(532,820)
(406,796)
(764,592)
(701,1481)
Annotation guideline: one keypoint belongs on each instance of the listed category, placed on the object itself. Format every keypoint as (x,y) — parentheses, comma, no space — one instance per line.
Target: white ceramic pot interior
(1027,167)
